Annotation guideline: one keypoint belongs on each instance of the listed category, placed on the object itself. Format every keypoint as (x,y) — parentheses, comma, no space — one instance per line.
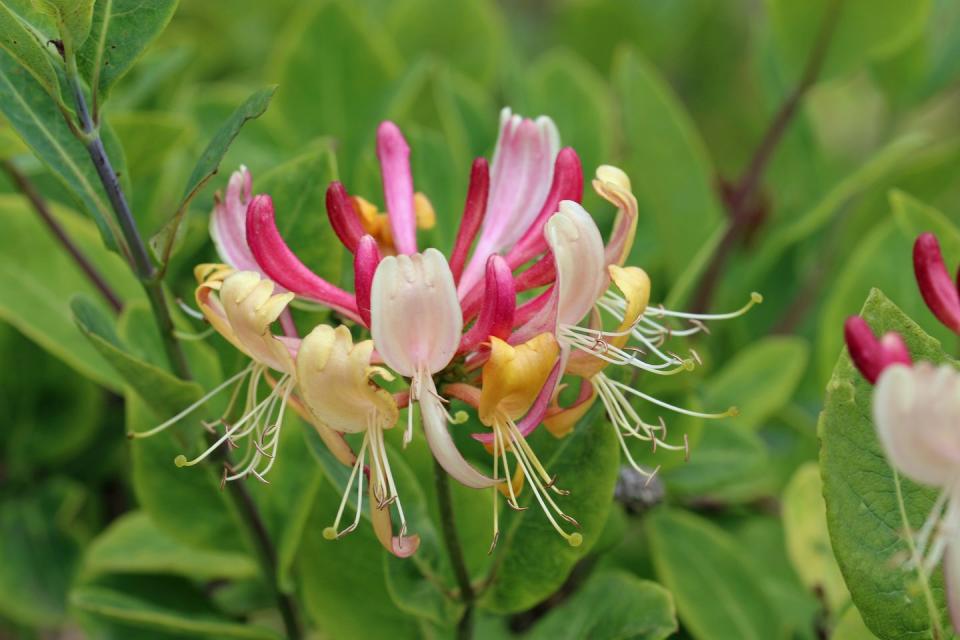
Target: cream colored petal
(416,321)
(613,185)
(581,269)
(917,412)
(441,444)
(334,381)
(251,307)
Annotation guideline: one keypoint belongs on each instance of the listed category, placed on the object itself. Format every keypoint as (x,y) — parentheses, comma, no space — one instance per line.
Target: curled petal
(514,376)
(560,423)
(415,315)
(365,263)
(473,212)
(520,178)
(334,378)
(228,223)
(872,356)
(343,217)
(567,185)
(500,302)
(579,254)
(281,265)
(400,546)
(613,185)
(394,155)
(915,411)
(937,287)
(441,444)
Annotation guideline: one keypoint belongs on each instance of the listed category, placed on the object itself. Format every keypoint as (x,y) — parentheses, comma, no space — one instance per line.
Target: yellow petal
(513,376)
(334,377)
(613,185)
(250,308)
(423,210)
(517,483)
(561,423)
(634,284)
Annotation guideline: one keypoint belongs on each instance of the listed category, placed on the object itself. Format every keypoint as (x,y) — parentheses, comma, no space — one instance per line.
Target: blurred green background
(677,92)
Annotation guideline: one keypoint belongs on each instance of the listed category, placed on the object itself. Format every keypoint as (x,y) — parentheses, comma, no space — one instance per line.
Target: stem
(140,260)
(29,191)
(741,213)
(152,283)
(454,551)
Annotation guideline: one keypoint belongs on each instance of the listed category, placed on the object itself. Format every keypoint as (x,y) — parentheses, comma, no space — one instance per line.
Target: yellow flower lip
(514,375)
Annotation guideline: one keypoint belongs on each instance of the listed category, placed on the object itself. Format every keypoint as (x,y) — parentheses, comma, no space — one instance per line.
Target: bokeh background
(679,93)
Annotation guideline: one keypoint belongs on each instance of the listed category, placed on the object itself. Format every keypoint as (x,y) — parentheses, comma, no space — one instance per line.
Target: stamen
(190,337)
(196,314)
(729,413)
(332,532)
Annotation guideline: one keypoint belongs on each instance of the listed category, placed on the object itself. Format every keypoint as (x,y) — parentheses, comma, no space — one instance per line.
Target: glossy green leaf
(477,22)
(177,617)
(26,48)
(134,544)
(122,30)
(611,605)
(808,541)
(870,509)
(40,124)
(357,64)
(717,592)
(40,553)
(864,30)
(534,559)
(759,380)
(298,188)
(73,17)
(670,169)
(40,278)
(209,163)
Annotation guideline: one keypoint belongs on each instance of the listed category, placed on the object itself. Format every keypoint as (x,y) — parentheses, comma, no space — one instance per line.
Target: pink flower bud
(872,356)
(937,287)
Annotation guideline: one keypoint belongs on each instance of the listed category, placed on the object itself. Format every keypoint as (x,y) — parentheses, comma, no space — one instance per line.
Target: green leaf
(73,17)
(611,605)
(759,380)
(122,30)
(717,592)
(870,509)
(298,188)
(162,391)
(134,544)
(40,124)
(209,163)
(865,30)
(39,279)
(40,552)
(414,27)
(534,559)
(178,616)
(672,174)
(357,63)
(28,51)
(808,541)
(851,627)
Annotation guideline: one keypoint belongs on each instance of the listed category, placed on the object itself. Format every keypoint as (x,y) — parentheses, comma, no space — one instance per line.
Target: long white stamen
(755,299)
(180,416)
(333,532)
(729,413)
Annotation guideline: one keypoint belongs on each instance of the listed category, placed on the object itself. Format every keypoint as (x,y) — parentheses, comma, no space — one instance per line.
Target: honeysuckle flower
(241,306)
(513,380)
(228,222)
(872,356)
(335,378)
(417,326)
(916,410)
(936,285)
(584,269)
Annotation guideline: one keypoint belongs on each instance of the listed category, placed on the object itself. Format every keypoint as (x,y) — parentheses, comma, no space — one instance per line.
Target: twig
(29,191)
(738,204)
(454,551)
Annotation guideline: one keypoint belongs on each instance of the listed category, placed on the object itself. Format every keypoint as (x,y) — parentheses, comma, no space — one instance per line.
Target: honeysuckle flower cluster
(521,302)
(916,412)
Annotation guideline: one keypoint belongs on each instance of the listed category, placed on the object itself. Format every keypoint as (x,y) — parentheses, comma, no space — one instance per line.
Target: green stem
(152,283)
(454,551)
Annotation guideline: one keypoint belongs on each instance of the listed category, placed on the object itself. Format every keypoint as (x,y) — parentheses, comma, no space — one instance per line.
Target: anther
(686,448)
(493,543)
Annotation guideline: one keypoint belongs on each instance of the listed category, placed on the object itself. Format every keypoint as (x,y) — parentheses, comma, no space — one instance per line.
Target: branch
(29,191)
(742,214)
